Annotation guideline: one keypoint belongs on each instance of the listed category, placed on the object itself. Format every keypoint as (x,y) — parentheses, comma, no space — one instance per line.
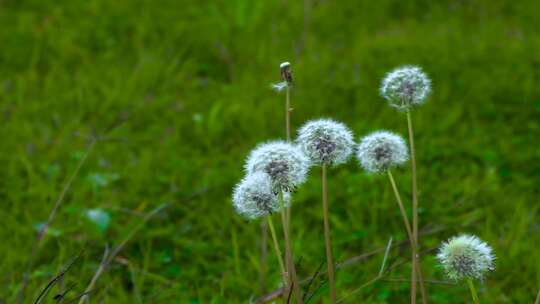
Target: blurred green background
(178,93)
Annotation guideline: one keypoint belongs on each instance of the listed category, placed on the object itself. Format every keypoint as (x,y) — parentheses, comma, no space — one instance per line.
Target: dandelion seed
(406,87)
(285,163)
(280,86)
(381,150)
(466,257)
(326,141)
(253,197)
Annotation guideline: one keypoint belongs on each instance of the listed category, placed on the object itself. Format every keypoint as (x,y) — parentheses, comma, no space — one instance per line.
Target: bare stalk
(277,250)
(288,111)
(264,256)
(416,270)
(288,253)
(537,298)
(327,238)
(415,207)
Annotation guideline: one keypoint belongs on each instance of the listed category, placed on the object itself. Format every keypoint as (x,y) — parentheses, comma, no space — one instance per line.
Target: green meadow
(127,106)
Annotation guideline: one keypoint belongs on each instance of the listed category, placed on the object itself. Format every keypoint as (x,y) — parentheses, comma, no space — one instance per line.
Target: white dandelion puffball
(406,87)
(326,141)
(285,163)
(253,197)
(381,150)
(466,256)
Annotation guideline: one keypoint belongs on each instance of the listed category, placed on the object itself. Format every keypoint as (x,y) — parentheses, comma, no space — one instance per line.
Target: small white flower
(285,163)
(381,150)
(326,141)
(406,87)
(253,197)
(466,256)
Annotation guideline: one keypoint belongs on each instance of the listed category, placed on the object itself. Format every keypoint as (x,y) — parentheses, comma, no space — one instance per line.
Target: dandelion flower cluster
(285,164)
(326,141)
(466,256)
(406,87)
(253,197)
(381,150)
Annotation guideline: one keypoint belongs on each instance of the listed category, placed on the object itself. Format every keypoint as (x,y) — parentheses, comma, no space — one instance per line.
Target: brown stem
(416,270)
(293,280)
(264,256)
(415,206)
(288,111)
(327,238)
(277,250)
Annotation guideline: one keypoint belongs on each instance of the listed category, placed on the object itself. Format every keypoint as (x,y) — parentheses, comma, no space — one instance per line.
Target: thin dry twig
(108,258)
(54,280)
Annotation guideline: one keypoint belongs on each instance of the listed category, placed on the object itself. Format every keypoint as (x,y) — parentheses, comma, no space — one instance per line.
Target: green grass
(180,92)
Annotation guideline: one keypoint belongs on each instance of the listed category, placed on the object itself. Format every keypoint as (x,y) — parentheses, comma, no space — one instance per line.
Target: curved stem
(277,250)
(293,280)
(415,263)
(473,291)
(415,212)
(327,238)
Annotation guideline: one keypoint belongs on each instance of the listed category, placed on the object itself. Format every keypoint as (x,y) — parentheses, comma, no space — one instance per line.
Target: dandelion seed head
(406,87)
(285,163)
(253,197)
(381,150)
(326,141)
(466,256)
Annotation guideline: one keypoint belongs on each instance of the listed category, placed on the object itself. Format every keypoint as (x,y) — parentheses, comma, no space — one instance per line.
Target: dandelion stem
(473,291)
(537,298)
(288,113)
(416,269)
(327,237)
(288,131)
(277,250)
(264,255)
(415,216)
(293,280)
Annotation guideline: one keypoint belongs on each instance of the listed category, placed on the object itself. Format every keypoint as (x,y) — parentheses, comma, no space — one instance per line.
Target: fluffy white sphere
(406,87)
(326,141)
(253,197)
(285,163)
(381,150)
(466,256)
